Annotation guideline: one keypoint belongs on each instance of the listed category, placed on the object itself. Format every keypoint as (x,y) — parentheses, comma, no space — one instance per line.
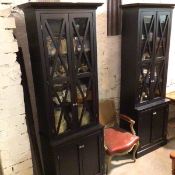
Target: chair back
(107,113)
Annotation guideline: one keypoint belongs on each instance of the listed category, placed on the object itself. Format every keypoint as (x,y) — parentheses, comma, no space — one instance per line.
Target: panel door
(158,122)
(82,39)
(59,71)
(144,128)
(67,160)
(146,54)
(161,53)
(90,153)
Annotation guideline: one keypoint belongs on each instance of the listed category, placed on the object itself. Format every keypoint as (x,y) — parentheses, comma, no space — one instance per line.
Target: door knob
(75,104)
(154,113)
(81,146)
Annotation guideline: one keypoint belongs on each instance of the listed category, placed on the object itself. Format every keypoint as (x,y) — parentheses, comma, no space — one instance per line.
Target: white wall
(15,155)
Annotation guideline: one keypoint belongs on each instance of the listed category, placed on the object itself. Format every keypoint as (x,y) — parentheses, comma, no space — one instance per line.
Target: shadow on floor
(1,172)
(125,158)
(170,144)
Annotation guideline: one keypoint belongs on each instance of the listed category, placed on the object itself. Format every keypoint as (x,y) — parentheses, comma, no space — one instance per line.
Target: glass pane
(56,44)
(62,107)
(81,45)
(147,37)
(161,36)
(144,83)
(84,101)
(158,77)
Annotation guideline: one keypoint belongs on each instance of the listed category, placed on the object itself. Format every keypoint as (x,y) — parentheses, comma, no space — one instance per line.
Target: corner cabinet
(145,49)
(62,45)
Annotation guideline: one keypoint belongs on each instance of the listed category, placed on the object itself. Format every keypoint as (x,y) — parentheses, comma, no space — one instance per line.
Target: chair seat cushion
(118,140)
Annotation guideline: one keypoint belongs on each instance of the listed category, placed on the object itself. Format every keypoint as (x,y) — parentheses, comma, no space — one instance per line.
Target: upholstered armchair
(117,140)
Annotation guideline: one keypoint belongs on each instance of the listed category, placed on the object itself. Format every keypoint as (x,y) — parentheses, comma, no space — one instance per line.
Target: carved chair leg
(107,163)
(172,156)
(135,150)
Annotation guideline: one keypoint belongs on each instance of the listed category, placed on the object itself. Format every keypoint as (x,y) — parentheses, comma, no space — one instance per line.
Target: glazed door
(147,40)
(84,80)
(59,72)
(161,54)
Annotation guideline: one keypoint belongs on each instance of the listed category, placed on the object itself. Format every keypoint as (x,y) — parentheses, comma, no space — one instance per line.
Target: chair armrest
(172,155)
(129,120)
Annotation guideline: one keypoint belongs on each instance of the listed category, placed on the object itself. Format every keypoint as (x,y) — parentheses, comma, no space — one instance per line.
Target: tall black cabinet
(62,45)
(145,48)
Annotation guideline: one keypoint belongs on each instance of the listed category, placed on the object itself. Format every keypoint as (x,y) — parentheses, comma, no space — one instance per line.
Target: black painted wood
(148,5)
(29,97)
(143,88)
(56,5)
(81,145)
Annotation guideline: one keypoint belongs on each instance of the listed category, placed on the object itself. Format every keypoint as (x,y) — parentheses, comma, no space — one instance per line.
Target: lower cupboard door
(67,162)
(90,155)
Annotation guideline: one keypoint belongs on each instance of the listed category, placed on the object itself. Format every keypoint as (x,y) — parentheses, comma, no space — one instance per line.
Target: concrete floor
(157,162)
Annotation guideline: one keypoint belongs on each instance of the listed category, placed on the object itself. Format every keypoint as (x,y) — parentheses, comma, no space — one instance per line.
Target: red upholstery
(118,140)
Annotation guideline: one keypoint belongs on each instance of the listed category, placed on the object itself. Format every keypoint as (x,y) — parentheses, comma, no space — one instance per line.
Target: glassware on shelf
(83,68)
(50,46)
(145,56)
(150,36)
(144,97)
(63,46)
(143,36)
(145,71)
(86,46)
(59,72)
(77,44)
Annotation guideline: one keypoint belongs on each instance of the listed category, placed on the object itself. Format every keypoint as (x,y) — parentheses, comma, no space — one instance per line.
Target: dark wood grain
(55,5)
(114,17)
(29,94)
(149,5)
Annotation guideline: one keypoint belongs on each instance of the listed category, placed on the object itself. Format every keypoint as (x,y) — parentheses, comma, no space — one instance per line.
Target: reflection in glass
(84,100)
(85,119)
(147,37)
(50,46)
(144,83)
(81,45)
(63,126)
(158,76)
(56,43)
(161,36)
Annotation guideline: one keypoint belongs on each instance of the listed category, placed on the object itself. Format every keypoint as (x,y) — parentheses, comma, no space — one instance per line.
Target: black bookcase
(62,45)
(145,48)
